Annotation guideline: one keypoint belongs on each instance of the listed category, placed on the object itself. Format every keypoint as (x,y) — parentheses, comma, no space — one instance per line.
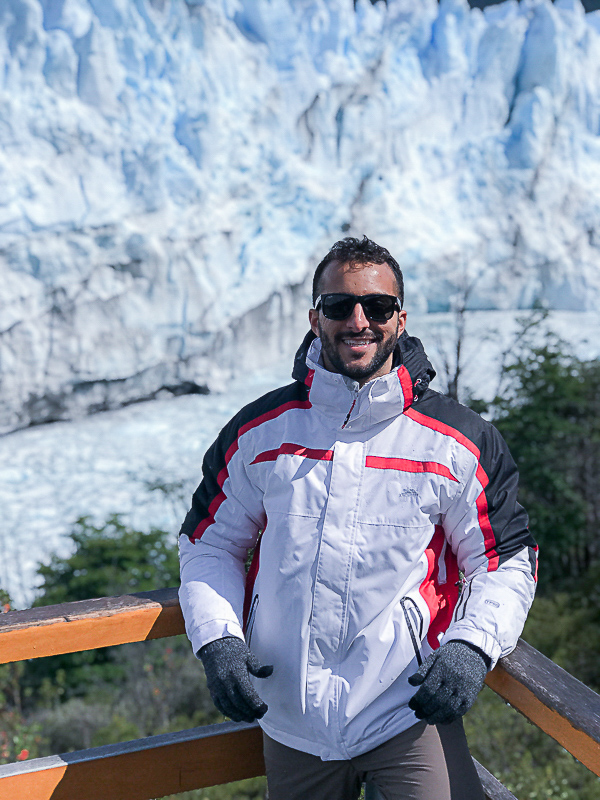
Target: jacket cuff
(480,639)
(215,629)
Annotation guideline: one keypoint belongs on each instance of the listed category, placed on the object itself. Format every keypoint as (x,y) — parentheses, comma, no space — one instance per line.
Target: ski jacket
(362,505)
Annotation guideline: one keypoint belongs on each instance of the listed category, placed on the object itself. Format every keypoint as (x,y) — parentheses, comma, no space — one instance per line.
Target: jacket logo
(396,492)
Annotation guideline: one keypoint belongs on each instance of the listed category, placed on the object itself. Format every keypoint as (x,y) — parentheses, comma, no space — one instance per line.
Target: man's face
(356,346)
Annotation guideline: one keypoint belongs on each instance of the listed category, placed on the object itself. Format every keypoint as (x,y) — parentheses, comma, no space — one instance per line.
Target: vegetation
(549,413)
(109,560)
(19,739)
(74,701)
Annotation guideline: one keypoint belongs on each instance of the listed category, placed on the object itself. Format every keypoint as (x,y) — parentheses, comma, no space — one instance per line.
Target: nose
(357,321)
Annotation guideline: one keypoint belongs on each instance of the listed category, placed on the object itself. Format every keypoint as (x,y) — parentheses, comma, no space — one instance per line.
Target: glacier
(171,172)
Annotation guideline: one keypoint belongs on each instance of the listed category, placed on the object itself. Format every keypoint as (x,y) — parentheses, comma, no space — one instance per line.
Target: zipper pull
(351,409)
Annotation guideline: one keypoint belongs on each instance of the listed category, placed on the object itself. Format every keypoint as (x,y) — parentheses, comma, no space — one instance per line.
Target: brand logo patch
(396,492)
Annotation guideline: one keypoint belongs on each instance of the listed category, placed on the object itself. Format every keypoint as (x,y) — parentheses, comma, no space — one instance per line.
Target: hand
(450,679)
(227,662)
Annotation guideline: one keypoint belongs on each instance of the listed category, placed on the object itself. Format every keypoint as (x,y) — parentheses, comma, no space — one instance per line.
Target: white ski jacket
(362,505)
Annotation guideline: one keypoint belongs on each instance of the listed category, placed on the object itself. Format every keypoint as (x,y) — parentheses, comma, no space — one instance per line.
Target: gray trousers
(422,763)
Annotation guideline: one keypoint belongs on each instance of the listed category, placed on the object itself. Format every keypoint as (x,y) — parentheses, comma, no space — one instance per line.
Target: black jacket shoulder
(450,412)
(214,465)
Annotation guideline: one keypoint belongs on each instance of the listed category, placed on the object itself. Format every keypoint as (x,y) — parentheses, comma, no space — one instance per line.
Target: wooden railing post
(141,769)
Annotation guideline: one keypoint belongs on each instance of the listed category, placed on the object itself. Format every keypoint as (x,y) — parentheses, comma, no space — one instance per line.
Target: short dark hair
(357,251)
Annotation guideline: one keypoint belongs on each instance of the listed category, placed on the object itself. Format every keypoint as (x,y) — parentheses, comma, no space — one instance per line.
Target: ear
(313,318)
(401,322)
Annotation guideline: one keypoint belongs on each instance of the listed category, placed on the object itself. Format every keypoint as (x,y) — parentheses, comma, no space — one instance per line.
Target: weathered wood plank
(492,788)
(553,700)
(88,624)
(159,765)
(141,769)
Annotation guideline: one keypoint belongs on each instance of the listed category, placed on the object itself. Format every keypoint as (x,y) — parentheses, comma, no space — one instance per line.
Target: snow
(50,475)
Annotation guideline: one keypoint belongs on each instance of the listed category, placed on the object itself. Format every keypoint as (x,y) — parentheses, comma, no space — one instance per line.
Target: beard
(358,372)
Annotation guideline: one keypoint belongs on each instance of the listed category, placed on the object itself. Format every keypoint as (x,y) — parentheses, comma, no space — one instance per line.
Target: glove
(450,679)
(227,662)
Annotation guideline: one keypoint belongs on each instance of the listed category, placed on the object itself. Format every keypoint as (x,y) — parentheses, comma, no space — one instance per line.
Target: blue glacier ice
(171,171)
(168,168)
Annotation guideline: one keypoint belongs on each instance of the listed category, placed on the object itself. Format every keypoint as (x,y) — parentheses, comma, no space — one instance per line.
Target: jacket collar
(379,399)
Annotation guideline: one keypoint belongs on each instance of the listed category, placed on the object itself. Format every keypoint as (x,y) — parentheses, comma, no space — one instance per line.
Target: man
(365,495)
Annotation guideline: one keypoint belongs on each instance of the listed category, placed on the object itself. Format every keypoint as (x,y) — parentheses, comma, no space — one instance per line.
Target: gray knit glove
(227,662)
(450,679)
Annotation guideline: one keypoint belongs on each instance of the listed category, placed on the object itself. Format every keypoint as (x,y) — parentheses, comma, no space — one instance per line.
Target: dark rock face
(205,360)
(91,397)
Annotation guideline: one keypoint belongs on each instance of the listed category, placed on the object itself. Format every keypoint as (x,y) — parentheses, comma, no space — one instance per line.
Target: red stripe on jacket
(407,386)
(289,449)
(441,427)
(407,465)
(441,598)
(224,473)
(485,525)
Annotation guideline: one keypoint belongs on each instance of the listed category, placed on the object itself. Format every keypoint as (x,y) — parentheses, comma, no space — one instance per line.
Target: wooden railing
(156,766)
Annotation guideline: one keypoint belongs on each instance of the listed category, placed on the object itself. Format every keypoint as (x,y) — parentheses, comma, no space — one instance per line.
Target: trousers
(424,762)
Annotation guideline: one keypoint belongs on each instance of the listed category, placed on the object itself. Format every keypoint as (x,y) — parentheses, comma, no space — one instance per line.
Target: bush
(564,627)
(549,415)
(108,560)
(19,739)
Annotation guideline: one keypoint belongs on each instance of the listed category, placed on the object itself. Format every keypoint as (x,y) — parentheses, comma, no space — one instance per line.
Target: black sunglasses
(377,307)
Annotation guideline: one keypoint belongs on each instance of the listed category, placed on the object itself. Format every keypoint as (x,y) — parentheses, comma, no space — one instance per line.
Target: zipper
(416,642)
(465,594)
(251,618)
(351,409)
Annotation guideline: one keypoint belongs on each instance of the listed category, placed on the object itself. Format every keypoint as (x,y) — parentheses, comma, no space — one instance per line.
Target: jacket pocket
(465,596)
(414,622)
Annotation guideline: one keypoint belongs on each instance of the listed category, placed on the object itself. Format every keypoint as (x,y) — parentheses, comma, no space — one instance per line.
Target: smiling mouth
(357,341)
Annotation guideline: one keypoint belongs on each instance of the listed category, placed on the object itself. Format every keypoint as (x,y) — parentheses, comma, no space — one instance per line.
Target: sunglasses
(377,307)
